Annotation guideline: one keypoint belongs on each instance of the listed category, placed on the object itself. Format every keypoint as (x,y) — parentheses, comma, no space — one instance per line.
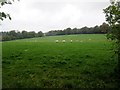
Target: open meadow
(86,62)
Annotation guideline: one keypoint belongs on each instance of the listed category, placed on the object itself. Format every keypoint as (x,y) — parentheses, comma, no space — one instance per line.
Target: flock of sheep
(62,41)
(70,41)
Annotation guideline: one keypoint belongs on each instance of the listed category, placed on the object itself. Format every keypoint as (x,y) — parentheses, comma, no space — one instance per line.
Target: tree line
(102,29)
(13,35)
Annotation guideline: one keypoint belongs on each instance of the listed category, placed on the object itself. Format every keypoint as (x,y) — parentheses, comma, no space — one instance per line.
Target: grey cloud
(42,15)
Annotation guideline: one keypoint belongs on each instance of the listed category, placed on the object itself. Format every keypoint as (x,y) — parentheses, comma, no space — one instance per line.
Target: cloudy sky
(46,15)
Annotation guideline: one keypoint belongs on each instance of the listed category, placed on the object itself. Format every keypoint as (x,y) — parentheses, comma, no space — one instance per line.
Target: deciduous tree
(112,13)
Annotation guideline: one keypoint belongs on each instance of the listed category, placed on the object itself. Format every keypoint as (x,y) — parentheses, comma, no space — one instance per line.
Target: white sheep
(56,41)
(63,41)
(71,41)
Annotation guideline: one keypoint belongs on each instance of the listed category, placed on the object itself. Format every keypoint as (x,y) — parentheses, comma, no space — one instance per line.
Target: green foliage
(112,13)
(40,34)
(13,35)
(42,63)
(102,29)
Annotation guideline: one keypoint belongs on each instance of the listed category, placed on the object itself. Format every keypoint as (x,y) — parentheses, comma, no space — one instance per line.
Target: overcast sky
(46,15)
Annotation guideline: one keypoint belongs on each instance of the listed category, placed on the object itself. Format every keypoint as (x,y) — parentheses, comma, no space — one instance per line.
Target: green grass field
(43,63)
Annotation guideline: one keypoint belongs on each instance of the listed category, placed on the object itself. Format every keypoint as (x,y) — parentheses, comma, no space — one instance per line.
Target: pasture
(87,62)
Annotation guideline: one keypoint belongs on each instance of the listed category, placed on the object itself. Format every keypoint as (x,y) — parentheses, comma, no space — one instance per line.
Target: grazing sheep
(63,41)
(71,41)
(56,41)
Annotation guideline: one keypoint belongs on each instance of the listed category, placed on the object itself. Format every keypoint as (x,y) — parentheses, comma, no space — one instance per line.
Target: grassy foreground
(87,62)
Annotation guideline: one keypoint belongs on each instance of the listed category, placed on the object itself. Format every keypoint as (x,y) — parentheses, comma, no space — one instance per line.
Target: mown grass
(42,63)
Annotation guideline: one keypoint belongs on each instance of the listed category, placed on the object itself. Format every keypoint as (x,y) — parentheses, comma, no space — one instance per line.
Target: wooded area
(102,29)
(12,35)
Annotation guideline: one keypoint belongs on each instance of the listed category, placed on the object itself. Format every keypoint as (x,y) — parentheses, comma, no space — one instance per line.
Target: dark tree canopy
(112,13)
(13,35)
(102,29)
